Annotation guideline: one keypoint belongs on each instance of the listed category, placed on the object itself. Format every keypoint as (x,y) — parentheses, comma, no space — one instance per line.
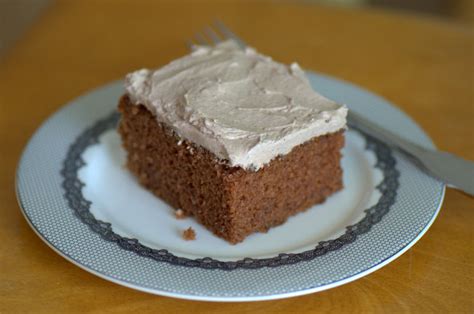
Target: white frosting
(240,105)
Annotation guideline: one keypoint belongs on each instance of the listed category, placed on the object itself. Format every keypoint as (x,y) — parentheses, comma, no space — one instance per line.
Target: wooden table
(424,65)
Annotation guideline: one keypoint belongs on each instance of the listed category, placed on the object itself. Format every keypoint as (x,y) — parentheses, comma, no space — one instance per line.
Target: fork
(454,171)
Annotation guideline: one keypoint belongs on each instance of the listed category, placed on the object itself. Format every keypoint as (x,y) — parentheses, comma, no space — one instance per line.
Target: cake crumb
(179,214)
(190,149)
(189,234)
(135,110)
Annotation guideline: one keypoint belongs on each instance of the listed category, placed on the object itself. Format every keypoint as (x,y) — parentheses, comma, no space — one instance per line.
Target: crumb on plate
(179,214)
(189,234)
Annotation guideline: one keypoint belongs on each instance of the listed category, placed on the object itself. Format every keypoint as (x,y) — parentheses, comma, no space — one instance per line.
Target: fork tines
(214,34)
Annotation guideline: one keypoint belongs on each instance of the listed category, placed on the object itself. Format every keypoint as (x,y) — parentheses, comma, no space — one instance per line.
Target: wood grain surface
(422,64)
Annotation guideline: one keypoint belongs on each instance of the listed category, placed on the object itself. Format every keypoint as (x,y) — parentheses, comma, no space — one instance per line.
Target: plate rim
(190,296)
(126,283)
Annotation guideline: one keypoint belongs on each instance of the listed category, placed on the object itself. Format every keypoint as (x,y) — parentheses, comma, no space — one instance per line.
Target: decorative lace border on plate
(81,206)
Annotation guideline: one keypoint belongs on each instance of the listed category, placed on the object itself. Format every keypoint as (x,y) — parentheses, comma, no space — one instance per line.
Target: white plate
(77,196)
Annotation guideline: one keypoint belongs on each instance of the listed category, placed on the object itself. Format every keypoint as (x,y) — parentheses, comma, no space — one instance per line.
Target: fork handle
(456,172)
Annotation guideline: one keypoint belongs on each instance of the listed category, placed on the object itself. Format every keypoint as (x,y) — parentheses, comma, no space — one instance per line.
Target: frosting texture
(240,105)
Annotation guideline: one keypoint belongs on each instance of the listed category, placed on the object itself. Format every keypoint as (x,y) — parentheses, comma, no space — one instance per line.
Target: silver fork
(454,171)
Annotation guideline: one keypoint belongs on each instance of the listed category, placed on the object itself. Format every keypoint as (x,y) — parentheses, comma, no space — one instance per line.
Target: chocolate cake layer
(230,201)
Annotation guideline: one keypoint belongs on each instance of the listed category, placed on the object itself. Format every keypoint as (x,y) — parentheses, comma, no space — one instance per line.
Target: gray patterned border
(81,206)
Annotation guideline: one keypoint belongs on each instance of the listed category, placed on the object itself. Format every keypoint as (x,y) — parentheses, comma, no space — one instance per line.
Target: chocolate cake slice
(233,138)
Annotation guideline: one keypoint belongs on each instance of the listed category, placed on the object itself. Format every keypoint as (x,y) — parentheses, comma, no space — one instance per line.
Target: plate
(77,196)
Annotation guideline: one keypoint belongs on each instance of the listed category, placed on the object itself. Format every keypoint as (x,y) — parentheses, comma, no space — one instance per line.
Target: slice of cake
(233,138)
